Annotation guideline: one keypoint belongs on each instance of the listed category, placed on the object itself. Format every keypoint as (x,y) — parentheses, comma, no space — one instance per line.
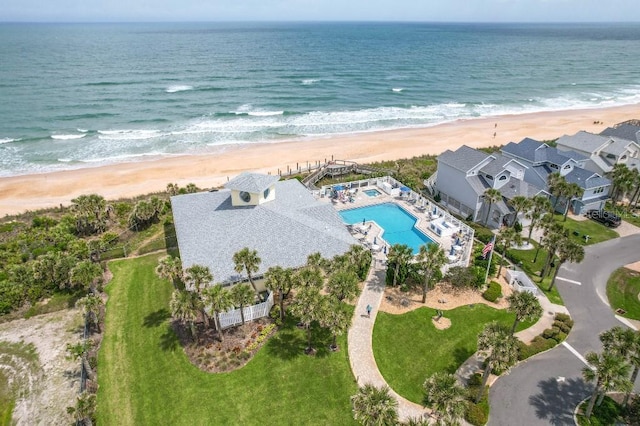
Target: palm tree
(198,277)
(446,397)
(540,206)
(80,351)
(90,212)
(337,320)
(308,277)
(430,258)
(501,349)
(508,237)
(309,306)
(573,190)
(491,195)
(247,261)
(520,203)
(173,189)
(609,371)
(555,184)
(553,236)
(567,251)
(92,307)
(525,306)
(279,280)
(343,284)
(374,406)
(185,306)
(359,259)
(622,178)
(635,180)
(242,295)
(315,260)
(219,300)
(84,274)
(399,256)
(625,343)
(170,268)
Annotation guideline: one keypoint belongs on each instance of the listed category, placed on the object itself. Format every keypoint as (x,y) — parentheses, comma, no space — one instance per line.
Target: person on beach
(369,311)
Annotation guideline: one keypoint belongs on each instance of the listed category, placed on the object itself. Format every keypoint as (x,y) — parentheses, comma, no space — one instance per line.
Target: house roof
(283,231)
(629,132)
(497,165)
(478,184)
(464,158)
(617,146)
(538,152)
(251,182)
(586,179)
(518,187)
(583,141)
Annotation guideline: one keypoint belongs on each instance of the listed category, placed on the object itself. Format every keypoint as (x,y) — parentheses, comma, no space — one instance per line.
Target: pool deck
(417,206)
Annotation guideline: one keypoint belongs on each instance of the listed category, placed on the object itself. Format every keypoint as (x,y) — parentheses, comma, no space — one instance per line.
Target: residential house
(542,160)
(521,168)
(615,145)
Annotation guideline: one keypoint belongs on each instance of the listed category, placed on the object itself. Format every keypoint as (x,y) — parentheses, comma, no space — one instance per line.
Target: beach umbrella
(457,241)
(375,240)
(338,188)
(405,189)
(363,220)
(451,252)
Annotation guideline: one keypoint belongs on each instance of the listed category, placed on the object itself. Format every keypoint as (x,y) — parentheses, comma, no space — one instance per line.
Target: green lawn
(145,377)
(524,259)
(596,231)
(408,348)
(623,288)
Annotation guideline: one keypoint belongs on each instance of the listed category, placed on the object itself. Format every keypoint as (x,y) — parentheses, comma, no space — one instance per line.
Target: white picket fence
(231,318)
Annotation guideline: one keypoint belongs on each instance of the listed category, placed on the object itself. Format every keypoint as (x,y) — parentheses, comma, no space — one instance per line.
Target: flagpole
(493,245)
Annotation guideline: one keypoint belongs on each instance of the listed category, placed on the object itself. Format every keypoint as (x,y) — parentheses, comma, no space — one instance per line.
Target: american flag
(487,248)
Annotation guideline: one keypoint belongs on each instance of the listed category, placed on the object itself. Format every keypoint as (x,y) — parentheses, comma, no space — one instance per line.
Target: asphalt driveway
(545,390)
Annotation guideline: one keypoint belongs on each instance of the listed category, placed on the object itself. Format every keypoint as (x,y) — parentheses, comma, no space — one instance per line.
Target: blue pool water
(399,226)
(372,192)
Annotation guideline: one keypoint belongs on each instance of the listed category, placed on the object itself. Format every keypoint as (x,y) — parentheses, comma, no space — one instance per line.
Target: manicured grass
(623,288)
(524,259)
(596,231)
(146,378)
(408,348)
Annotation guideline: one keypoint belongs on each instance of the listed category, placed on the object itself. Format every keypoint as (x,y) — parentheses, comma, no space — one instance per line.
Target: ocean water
(82,95)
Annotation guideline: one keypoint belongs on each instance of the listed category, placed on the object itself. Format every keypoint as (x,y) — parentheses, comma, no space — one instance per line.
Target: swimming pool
(397,223)
(372,192)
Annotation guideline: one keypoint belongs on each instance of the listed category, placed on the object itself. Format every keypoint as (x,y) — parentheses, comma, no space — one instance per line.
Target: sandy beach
(30,192)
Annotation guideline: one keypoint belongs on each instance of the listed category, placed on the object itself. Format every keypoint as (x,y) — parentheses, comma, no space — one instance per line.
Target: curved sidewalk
(363,364)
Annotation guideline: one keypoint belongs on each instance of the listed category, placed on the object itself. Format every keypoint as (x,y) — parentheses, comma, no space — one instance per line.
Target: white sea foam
(82,130)
(122,157)
(309,81)
(67,137)
(178,88)
(128,134)
(65,160)
(8,140)
(265,113)
(397,89)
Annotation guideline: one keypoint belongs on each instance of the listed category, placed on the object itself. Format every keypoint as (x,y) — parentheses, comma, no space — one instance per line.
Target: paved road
(545,390)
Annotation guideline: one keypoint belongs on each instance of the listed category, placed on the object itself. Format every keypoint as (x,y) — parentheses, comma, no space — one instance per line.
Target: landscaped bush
(565,318)
(562,326)
(477,414)
(550,333)
(493,293)
(548,339)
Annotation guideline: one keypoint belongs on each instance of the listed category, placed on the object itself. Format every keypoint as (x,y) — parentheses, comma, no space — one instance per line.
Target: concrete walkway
(363,363)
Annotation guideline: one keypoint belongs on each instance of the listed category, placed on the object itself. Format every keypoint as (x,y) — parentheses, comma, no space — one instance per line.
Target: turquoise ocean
(82,95)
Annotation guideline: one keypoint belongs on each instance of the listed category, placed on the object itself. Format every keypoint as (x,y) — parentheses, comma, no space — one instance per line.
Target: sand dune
(30,192)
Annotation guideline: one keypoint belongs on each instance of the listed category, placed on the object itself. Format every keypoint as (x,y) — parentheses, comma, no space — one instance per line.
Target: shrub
(477,414)
(493,292)
(564,318)
(475,379)
(537,345)
(563,327)
(560,337)
(550,333)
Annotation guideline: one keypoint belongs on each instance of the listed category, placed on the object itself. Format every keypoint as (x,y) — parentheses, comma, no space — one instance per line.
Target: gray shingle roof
(586,179)
(617,146)
(583,141)
(464,158)
(251,182)
(283,231)
(539,152)
(497,165)
(623,131)
(518,187)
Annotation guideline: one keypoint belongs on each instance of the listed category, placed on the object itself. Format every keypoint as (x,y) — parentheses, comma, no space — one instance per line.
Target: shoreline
(36,191)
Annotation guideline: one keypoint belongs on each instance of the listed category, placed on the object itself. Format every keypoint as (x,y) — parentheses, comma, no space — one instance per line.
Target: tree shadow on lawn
(557,400)
(460,355)
(169,340)
(290,341)
(156,318)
